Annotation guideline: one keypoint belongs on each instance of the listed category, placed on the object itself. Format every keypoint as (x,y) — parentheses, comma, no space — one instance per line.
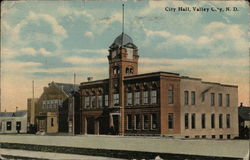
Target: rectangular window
(186,97)
(116,99)
(193,97)
(145,121)
(228,121)
(137,98)
(93,101)
(100,101)
(203,97)
(145,97)
(220,121)
(52,122)
(212,121)
(129,121)
(137,121)
(203,136)
(221,136)
(228,100)
(220,99)
(203,121)
(170,121)
(193,121)
(153,97)
(212,99)
(8,125)
(18,126)
(186,120)
(106,100)
(153,121)
(213,136)
(44,104)
(228,136)
(170,96)
(129,99)
(86,102)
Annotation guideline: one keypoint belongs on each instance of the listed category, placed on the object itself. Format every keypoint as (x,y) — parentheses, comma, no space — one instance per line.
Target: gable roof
(244,113)
(67,87)
(20,113)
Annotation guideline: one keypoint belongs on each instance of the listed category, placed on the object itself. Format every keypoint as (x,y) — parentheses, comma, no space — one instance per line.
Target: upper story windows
(186,97)
(171,95)
(153,96)
(116,99)
(212,101)
(220,99)
(193,98)
(51,104)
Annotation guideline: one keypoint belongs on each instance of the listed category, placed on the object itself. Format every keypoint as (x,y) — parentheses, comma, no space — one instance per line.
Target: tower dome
(123,40)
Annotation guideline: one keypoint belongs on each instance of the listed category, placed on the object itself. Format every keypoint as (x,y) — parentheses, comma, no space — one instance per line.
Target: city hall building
(157,103)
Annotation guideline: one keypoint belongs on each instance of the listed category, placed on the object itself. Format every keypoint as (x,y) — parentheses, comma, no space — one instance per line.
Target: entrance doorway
(116,122)
(90,125)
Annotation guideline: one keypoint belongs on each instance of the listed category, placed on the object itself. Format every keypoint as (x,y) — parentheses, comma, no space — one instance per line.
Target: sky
(49,41)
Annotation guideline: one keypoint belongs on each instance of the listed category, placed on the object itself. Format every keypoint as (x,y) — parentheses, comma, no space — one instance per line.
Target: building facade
(53,108)
(13,122)
(208,110)
(128,103)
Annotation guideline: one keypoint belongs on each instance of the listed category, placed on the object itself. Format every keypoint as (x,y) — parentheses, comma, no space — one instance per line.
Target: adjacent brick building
(128,103)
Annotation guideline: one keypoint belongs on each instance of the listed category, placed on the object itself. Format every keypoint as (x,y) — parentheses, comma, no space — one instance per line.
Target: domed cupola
(123,40)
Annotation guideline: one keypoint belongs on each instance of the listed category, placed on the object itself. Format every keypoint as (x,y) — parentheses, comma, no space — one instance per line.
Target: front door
(90,125)
(116,121)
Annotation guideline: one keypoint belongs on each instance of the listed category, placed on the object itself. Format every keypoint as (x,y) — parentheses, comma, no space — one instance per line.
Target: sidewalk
(49,155)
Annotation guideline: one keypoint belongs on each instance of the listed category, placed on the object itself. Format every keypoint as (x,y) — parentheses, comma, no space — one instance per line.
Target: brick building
(53,112)
(128,103)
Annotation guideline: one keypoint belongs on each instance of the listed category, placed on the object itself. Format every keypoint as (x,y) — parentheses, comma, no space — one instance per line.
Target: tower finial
(122,18)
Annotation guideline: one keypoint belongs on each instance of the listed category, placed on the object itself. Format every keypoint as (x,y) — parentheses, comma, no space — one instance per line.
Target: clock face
(130,53)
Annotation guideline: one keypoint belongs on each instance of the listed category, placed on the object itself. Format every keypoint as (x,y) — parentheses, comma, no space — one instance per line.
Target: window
(228,100)
(186,136)
(18,125)
(52,122)
(44,104)
(202,97)
(86,102)
(212,99)
(221,136)
(153,121)
(129,98)
(137,121)
(193,97)
(228,121)
(220,121)
(116,99)
(145,97)
(106,100)
(203,121)
(100,101)
(186,120)
(129,121)
(186,97)
(93,101)
(193,121)
(153,97)
(137,98)
(220,99)
(212,121)
(146,122)
(170,96)
(197,136)
(213,136)
(8,125)
(203,136)
(228,136)
(170,121)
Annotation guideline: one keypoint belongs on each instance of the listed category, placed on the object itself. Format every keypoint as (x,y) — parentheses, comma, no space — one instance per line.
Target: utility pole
(73,106)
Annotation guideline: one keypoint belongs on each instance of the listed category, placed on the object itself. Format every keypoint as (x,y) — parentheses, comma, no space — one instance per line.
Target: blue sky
(50,40)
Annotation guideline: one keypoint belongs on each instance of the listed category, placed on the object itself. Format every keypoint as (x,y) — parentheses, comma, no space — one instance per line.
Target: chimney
(90,79)
(241,104)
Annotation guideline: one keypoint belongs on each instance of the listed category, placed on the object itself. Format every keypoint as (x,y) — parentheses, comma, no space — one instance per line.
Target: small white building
(13,122)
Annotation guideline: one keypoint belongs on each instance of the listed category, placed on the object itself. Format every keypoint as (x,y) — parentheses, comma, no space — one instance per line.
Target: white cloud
(85,60)
(29,51)
(89,34)
(44,51)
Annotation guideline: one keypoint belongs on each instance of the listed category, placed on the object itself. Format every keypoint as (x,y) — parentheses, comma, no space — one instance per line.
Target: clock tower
(123,61)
